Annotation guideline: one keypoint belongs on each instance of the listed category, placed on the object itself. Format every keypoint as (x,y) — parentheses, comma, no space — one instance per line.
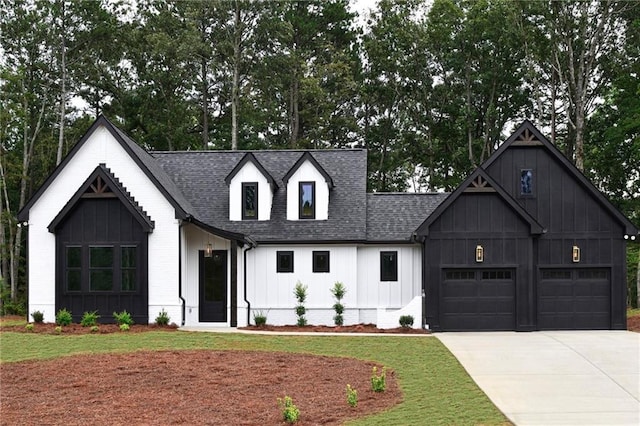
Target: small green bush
(259,318)
(38,317)
(123,317)
(95,329)
(63,317)
(58,330)
(406,321)
(89,319)
(378,382)
(300,291)
(352,396)
(29,327)
(290,413)
(162,318)
(338,291)
(124,327)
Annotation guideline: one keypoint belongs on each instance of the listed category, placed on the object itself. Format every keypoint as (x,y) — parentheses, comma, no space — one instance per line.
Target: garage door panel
(580,302)
(478,300)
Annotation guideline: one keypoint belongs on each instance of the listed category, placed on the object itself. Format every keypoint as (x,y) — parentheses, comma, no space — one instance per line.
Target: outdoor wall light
(575,254)
(208,250)
(479,254)
(626,237)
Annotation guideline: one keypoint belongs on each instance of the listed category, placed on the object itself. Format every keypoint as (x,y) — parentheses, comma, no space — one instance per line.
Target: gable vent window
(388,266)
(307,191)
(320,261)
(250,201)
(284,261)
(526,182)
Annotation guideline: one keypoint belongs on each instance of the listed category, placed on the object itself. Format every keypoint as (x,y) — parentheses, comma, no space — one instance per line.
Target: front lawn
(436,388)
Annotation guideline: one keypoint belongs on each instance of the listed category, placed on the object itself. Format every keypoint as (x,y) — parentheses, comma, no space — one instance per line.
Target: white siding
(250,173)
(101,147)
(357,267)
(307,173)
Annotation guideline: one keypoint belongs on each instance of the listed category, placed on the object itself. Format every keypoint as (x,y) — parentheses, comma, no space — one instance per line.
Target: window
(556,274)
(320,261)
(388,266)
(74,268)
(460,275)
(128,268)
(250,201)
(307,191)
(496,275)
(526,182)
(593,274)
(101,268)
(284,261)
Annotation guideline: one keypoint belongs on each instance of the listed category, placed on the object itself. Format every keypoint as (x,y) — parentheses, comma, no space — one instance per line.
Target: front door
(213,287)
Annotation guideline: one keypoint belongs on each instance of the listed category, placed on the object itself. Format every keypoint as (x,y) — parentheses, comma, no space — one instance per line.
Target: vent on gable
(526,138)
(479,184)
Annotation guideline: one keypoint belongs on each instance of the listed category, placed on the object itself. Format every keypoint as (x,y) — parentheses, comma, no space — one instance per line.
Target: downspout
(182,301)
(251,246)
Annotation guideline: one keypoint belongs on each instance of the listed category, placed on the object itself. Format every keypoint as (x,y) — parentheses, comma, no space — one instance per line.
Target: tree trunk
(63,86)
(235,89)
(205,105)
(638,282)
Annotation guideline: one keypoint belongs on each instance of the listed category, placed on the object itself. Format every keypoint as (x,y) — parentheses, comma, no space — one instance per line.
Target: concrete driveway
(555,377)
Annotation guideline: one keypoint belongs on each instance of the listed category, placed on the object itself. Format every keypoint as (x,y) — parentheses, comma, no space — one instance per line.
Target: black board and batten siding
(590,293)
(532,212)
(102,222)
(463,294)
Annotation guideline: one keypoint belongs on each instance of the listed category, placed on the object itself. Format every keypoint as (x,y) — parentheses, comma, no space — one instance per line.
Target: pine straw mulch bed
(188,387)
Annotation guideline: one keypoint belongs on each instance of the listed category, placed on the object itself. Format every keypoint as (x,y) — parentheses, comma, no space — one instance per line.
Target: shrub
(89,319)
(124,327)
(352,396)
(378,383)
(259,318)
(162,318)
(63,317)
(406,321)
(290,412)
(338,292)
(300,291)
(123,317)
(37,316)
(58,330)
(95,329)
(29,327)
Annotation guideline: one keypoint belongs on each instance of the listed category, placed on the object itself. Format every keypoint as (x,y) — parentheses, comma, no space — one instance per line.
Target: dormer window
(307,192)
(249,200)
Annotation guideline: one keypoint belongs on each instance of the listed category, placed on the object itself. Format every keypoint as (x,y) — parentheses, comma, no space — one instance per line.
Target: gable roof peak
(308,156)
(249,157)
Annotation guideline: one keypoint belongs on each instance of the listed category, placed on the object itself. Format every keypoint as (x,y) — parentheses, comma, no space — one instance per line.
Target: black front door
(213,287)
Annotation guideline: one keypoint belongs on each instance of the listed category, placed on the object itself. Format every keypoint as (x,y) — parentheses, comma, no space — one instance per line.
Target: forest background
(428,87)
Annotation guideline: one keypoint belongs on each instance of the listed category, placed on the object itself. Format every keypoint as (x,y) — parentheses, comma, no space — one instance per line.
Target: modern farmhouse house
(212,237)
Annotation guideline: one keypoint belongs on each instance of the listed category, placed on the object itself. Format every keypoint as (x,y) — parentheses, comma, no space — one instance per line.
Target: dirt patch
(633,323)
(358,328)
(188,387)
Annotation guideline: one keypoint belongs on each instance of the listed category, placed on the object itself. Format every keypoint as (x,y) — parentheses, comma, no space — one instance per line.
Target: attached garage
(476,299)
(574,299)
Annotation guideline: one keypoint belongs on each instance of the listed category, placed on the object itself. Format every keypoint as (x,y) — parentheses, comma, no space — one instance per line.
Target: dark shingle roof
(395,216)
(200,176)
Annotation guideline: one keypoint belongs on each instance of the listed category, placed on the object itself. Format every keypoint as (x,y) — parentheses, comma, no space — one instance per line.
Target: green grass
(633,312)
(436,388)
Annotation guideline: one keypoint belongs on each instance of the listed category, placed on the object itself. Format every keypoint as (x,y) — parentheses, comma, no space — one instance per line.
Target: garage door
(477,300)
(574,299)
